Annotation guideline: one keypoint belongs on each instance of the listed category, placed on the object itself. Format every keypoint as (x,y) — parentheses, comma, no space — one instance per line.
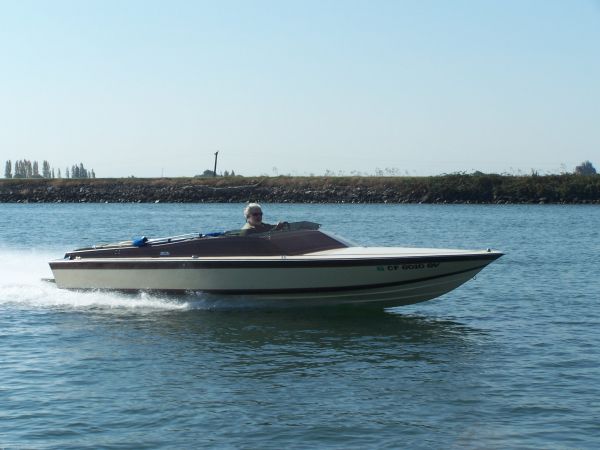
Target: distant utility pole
(216,156)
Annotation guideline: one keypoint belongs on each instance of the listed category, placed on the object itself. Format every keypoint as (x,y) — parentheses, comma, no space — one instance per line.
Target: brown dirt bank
(437,189)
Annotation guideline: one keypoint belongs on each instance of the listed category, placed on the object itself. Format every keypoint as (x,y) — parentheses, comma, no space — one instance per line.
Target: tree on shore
(585,168)
(46,171)
(24,168)
(79,171)
(206,173)
(209,173)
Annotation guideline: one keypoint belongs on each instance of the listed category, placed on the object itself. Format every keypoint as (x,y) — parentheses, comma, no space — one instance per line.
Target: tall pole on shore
(216,156)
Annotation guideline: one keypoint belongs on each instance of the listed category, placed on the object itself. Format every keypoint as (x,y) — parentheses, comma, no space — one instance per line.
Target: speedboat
(299,265)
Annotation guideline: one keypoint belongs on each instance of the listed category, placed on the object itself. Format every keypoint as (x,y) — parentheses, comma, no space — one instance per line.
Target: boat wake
(23,284)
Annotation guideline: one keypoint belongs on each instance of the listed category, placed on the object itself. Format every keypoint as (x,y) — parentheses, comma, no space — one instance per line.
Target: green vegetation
(25,168)
(211,173)
(585,168)
(455,188)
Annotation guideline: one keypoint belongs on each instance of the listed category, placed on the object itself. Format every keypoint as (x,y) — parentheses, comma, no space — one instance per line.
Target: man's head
(253,213)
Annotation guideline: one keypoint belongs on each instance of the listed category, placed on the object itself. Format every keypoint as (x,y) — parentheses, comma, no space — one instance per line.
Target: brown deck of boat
(286,243)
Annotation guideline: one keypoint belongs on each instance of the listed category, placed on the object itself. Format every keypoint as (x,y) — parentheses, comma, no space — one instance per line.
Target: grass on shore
(477,188)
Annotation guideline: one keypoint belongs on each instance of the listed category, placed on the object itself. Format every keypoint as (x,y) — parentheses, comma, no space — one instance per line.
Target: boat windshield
(291,226)
(345,241)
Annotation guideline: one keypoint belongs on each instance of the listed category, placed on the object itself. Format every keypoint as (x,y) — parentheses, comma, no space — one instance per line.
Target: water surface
(509,360)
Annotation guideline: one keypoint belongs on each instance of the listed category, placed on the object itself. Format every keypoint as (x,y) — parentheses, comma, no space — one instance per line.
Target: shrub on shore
(455,188)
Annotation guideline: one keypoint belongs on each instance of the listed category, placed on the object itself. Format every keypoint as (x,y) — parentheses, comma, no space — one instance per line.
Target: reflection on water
(260,326)
(302,339)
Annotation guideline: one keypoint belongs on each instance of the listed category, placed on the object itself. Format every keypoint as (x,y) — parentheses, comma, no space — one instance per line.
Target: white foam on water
(22,285)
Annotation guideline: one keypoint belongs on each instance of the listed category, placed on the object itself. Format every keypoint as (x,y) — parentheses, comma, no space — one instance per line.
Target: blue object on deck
(215,234)
(139,241)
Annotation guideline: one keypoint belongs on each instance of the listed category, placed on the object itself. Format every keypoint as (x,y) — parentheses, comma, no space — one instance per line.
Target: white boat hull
(353,275)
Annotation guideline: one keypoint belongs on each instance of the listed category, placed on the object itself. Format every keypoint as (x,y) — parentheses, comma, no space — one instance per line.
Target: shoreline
(445,189)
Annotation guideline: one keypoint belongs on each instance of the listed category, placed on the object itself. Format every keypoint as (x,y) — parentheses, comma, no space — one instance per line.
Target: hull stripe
(165,264)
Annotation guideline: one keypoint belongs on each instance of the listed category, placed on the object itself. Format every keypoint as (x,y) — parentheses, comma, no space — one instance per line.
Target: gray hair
(250,208)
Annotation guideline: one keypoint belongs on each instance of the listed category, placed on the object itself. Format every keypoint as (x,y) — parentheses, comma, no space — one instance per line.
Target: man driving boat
(254,224)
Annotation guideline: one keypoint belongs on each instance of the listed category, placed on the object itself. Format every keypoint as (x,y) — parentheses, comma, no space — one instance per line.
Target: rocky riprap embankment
(443,189)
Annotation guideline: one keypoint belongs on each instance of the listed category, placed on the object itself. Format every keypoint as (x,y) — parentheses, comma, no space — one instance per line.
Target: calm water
(509,360)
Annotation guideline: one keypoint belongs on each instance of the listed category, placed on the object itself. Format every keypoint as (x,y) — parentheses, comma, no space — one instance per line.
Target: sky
(153,88)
